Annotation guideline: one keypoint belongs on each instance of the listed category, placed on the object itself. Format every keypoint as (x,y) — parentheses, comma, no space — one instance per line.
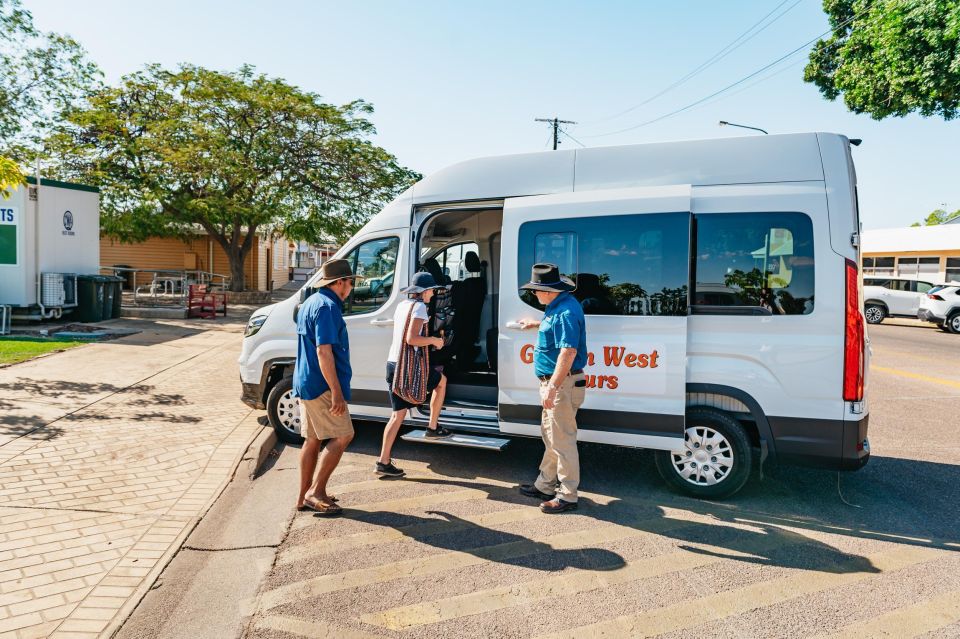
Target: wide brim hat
(422,281)
(546,277)
(333,270)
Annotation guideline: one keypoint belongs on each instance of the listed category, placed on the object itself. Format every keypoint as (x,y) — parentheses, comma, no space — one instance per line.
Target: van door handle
(382,321)
(514,325)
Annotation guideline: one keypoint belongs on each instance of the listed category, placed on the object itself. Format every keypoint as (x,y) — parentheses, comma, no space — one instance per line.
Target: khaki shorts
(318,423)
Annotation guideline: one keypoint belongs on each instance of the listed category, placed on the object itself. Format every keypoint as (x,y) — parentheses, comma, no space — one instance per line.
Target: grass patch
(20,349)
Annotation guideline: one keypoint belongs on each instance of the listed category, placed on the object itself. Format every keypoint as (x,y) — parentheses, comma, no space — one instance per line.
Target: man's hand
(437,342)
(529,323)
(548,396)
(338,406)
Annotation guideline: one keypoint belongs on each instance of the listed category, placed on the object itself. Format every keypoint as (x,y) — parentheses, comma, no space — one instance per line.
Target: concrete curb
(258,451)
(134,600)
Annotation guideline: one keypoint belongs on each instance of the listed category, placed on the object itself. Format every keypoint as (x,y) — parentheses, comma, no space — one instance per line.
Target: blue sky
(454,80)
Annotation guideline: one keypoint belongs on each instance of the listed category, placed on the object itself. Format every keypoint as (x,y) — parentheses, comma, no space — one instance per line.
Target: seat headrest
(472,261)
(432,267)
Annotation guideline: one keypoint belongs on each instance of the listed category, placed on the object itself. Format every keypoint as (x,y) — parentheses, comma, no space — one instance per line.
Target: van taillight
(853,341)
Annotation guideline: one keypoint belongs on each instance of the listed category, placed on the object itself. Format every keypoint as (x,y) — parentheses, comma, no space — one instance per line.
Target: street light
(742,126)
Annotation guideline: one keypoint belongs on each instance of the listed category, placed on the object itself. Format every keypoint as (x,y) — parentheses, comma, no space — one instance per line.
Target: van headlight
(253,326)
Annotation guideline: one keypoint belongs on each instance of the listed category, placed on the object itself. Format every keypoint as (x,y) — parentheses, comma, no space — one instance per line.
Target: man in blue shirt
(321,379)
(558,360)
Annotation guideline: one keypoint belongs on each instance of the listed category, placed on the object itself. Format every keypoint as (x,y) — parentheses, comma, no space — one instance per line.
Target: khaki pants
(560,468)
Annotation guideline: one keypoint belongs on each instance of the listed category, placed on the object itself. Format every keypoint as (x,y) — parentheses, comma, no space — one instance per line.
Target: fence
(162,287)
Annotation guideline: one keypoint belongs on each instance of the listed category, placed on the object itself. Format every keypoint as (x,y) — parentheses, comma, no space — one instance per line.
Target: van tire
(737,441)
(874,313)
(282,417)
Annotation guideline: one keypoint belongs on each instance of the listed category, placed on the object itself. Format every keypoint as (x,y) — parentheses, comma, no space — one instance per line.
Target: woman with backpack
(410,377)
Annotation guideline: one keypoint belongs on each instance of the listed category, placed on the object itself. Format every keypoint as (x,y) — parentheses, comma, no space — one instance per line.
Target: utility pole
(555,123)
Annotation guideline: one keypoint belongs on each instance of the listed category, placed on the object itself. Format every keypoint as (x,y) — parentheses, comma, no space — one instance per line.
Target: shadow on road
(902,501)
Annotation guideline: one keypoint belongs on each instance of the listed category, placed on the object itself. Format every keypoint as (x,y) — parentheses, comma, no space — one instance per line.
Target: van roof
(750,159)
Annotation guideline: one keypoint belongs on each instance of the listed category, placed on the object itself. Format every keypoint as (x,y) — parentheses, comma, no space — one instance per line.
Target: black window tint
(760,261)
(899,285)
(621,264)
(374,263)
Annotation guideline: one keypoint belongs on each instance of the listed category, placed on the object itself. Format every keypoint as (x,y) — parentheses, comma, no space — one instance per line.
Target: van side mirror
(305,292)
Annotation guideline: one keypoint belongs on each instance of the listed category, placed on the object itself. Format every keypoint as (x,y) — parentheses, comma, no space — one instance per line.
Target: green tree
(938,216)
(890,57)
(235,154)
(40,75)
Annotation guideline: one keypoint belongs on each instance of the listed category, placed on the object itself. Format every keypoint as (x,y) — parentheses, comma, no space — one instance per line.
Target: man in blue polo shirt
(558,360)
(321,379)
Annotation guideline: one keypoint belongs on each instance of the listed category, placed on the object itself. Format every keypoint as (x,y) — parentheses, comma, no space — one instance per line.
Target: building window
(953,269)
(915,266)
(621,264)
(759,262)
(878,266)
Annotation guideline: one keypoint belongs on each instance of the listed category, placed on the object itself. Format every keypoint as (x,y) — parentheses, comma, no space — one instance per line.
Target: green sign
(8,234)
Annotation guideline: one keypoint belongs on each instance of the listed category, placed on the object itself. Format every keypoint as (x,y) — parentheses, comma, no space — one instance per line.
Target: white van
(719,279)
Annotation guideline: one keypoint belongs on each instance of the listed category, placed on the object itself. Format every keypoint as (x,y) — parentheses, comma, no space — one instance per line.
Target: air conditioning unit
(58,290)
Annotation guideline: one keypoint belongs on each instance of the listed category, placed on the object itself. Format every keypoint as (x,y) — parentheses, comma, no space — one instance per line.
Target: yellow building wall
(174,254)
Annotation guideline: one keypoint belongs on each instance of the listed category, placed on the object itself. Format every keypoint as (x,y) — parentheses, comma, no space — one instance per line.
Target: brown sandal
(304,507)
(325,510)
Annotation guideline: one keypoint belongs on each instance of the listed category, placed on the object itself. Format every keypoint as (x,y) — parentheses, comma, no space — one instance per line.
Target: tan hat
(334,270)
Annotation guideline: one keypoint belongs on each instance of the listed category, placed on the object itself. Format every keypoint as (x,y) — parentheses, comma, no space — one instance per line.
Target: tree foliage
(10,176)
(41,74)
(938,216)
(235,154)
(890,57)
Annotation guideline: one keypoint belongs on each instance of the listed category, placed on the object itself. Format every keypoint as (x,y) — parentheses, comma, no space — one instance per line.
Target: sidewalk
(109,454)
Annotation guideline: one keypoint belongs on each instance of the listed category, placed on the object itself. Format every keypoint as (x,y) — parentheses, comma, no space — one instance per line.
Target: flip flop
(324,510)
(305,508)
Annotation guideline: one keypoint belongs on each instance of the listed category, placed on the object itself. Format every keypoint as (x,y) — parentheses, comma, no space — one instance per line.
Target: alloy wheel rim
(288,412)
(874,314)
(706,458)
(955,323)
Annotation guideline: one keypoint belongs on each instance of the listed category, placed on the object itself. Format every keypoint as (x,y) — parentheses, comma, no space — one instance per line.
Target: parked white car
(941,305)
(892,297)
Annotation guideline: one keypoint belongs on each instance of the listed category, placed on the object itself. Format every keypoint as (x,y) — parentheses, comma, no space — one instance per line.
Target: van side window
(761,263)
(374,262)
(621,264)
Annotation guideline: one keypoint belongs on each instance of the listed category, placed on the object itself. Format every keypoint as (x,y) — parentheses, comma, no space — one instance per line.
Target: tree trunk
(237,282)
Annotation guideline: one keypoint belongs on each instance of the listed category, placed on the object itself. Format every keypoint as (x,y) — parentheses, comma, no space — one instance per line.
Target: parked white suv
(941,305)
(892,297)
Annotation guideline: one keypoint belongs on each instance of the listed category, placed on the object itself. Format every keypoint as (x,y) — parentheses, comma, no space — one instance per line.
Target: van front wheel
(283,411)
(715,459)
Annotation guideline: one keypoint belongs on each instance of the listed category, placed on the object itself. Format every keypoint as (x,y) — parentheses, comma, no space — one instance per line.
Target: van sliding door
(628,252)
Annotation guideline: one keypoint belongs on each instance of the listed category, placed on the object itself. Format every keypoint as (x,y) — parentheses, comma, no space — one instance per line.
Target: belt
(546,378)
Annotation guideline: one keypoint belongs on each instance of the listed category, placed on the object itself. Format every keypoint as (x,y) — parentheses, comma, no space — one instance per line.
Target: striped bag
(413,369)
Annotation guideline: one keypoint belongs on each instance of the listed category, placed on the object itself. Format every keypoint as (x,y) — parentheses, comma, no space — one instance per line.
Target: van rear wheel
(283,411)
(874,313)
(716,457)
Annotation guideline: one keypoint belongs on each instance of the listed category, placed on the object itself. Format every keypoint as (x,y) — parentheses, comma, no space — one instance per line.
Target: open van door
(628,251)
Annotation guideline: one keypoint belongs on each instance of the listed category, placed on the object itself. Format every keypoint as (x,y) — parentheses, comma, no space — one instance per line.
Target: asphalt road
(454,551)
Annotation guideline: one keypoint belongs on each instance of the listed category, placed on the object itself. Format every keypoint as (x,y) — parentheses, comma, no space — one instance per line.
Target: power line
(730,86)
(555,123)
(573,138)
(735,44)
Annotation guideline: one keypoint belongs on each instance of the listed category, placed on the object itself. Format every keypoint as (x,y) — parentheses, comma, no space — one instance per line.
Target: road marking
(917,376)
(909,621)
(412,531)
(699,611)
(313,629)
(580,581)
(443,562)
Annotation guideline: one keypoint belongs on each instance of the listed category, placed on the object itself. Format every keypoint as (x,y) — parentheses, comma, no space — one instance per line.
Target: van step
(457,439)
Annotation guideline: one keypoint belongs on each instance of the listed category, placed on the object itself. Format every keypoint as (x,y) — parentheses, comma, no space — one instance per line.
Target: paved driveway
(108,454)
(454,551)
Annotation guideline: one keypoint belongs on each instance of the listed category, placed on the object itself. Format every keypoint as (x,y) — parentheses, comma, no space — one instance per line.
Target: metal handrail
(160,281)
